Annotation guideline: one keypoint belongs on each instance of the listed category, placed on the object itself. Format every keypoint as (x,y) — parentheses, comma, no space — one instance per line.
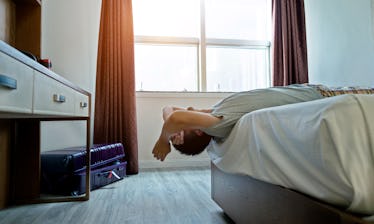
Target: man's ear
(199,132)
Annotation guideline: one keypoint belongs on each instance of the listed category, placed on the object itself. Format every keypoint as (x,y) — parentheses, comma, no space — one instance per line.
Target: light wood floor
(153,196)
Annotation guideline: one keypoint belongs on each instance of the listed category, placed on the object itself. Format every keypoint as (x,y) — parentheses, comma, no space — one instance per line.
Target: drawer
(81,105)
(16,81)
(52,97)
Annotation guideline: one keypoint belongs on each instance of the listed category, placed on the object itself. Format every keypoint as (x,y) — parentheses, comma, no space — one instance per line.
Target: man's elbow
(177,119)
(167,109)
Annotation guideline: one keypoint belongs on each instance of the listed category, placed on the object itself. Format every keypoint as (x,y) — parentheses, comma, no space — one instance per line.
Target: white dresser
(31,93)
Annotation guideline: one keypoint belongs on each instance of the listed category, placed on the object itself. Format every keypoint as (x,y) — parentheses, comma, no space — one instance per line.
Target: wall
(69,38)
(340,38)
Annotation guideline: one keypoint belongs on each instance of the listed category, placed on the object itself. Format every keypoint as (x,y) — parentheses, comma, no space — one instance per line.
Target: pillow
(335,91)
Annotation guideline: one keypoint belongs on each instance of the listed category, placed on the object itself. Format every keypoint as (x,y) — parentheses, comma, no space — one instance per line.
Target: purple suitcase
(63,171)
(73,159)
(75,184)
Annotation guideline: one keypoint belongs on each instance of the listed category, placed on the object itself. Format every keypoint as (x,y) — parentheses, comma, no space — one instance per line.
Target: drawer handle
(83,104)
(59,98)
(8,82)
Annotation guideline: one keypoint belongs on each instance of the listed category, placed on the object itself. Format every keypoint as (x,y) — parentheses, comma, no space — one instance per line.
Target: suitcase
(63,171)
(75,184)
(73,159)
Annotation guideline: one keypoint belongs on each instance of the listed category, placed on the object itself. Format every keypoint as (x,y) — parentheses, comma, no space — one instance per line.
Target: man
(190,130)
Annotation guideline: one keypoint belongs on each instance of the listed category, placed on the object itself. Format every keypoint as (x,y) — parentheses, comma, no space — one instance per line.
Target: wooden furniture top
(38,2)
(19,56)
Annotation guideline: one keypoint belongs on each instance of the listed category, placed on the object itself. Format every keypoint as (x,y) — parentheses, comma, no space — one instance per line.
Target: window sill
(156,94)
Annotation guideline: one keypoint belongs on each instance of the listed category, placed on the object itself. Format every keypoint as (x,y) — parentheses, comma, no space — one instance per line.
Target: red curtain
(115,112)
(290,62)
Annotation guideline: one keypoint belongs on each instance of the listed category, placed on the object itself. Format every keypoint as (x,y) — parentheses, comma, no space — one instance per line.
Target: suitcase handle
(111,173)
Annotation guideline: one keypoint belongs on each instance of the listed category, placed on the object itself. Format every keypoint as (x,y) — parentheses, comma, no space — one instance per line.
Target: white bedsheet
(324,148)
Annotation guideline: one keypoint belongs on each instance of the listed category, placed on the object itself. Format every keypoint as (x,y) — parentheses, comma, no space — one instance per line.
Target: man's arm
(178,138)
(176,122)
(166,111)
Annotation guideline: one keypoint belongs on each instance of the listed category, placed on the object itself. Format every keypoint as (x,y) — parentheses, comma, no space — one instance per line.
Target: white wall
(69,38)
(340,38)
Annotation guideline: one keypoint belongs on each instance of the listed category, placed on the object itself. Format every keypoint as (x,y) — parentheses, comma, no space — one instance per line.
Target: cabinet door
(52,97)
(16,85)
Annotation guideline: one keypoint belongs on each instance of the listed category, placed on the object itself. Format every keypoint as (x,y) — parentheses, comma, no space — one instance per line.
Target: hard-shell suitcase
(75,184)
(73,159)
(63,171)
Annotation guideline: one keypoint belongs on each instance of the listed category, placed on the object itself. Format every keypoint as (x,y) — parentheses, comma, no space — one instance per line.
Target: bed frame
(247,200)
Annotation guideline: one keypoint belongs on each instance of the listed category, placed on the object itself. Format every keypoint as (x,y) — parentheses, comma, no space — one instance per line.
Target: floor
(153,196)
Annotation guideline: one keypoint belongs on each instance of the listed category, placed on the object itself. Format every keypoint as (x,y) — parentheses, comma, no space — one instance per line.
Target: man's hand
(177,138)
(161,150)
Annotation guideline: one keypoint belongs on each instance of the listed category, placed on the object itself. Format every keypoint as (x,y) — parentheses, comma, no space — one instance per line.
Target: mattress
(323,148)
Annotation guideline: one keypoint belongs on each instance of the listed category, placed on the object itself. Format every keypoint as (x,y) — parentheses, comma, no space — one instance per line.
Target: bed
(310,162)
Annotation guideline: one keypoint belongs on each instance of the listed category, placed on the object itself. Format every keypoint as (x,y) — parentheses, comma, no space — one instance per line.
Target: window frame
(202,44)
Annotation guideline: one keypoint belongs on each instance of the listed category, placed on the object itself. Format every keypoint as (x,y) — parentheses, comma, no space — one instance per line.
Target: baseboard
(145,164)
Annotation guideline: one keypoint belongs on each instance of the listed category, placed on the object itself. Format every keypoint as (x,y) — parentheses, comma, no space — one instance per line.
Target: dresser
(30,94)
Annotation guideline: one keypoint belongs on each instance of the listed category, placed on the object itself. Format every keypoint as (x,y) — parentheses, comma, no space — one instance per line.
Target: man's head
(194,142)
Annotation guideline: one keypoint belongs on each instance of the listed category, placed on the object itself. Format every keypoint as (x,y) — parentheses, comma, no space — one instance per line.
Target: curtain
(290,62)
(115,112)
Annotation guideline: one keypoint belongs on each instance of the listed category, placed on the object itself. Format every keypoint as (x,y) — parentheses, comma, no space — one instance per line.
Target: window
(202,45)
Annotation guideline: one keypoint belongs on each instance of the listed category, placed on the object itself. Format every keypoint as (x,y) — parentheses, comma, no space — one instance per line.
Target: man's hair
(193,143)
